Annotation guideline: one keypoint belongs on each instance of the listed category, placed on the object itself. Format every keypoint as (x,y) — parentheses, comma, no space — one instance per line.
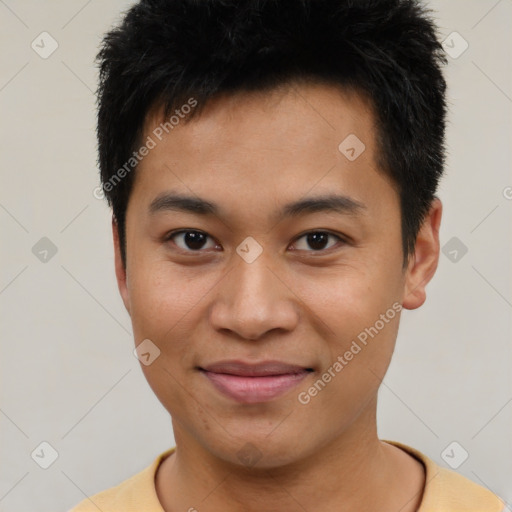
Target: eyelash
(173,234)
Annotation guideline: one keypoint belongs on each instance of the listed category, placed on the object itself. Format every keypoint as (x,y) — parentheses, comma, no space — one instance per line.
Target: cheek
(357,311)
(167,304)
(355,362)
(158,298)
(348,298)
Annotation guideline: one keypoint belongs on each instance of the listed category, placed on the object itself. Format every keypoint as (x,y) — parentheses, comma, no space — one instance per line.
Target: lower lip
(251,390)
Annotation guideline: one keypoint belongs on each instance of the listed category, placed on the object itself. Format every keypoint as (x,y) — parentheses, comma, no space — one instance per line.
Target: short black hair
(165,52)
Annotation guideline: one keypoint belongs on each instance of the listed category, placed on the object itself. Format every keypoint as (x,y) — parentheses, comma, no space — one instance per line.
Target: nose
(254,299)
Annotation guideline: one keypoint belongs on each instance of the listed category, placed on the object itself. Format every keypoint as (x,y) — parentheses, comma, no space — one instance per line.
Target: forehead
(282,117)
(252,147)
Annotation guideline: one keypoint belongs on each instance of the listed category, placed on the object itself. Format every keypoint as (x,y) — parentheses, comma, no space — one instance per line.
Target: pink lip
(254,383)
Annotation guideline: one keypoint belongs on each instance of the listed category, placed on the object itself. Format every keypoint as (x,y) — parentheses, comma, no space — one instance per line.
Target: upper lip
(261,369)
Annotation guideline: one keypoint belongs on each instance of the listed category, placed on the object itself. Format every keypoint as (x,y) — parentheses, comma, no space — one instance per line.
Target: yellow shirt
(445,491)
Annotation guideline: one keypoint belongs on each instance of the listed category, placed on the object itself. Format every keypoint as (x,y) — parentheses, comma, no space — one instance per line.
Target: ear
(423,263)
(121,275)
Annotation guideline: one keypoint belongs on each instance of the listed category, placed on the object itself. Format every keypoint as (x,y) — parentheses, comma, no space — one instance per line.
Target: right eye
(189,240)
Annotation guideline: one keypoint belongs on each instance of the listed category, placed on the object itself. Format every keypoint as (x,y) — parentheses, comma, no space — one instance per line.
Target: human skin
(252,153)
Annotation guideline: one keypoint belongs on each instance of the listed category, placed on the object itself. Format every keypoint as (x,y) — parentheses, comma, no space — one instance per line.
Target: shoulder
(456,492)
(132,495)
(448,491)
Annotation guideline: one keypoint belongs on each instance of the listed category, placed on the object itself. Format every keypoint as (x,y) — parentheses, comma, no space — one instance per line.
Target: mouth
(254,383)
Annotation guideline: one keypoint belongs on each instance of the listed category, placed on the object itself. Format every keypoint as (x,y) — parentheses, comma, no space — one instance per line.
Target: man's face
(209,297)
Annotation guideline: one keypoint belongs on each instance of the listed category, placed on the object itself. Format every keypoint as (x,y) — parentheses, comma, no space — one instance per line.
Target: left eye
(317,240)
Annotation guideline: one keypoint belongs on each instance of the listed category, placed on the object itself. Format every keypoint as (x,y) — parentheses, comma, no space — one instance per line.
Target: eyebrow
(336,203)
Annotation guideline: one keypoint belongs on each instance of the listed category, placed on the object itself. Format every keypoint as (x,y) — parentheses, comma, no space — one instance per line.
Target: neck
(355,471)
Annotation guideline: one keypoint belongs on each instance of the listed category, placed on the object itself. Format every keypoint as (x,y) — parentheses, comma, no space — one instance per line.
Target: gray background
(68,373)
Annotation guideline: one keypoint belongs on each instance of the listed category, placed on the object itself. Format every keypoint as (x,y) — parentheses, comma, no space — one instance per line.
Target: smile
(254,383)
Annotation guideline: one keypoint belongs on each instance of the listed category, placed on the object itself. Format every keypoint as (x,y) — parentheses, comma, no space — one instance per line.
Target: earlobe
(423,263)
(121,274)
